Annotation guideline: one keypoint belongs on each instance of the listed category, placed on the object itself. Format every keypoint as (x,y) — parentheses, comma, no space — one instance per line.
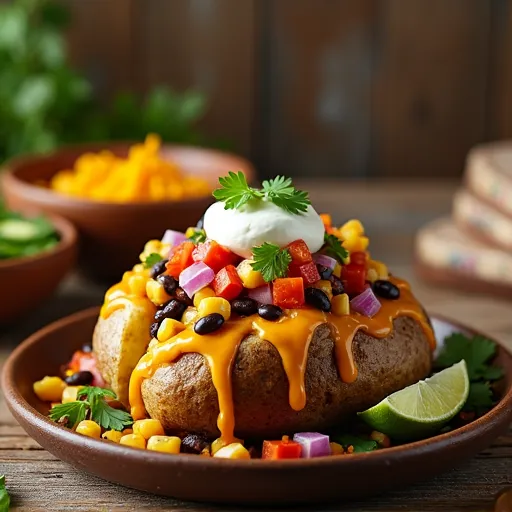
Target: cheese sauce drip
(290,335)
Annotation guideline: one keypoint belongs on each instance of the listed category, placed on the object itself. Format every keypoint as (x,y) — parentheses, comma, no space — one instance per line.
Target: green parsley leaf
(479,398)
(198,237)
(153,258)
(332,247)
(235,192)
(75,412)
(360,444)
(94,392)
(476,351)
(271,261)
(108,417)
(5,500)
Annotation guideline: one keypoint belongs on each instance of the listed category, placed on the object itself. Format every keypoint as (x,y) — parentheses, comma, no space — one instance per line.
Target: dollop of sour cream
(257,222)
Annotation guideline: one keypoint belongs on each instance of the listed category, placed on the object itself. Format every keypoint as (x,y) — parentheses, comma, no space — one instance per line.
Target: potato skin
(182,396)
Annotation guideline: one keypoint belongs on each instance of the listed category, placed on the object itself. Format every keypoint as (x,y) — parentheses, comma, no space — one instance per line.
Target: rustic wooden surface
(37,481)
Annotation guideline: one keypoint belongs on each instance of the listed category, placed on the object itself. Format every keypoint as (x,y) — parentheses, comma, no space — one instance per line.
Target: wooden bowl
(27,281)
(112,235)
(256,481)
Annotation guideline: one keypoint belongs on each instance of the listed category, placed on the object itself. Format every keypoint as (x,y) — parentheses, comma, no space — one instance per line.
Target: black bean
(244,307)
(79,379)
(325,272)
(209,323)
(194,444)
(153,330)
(270,312)
(318,299)
(168,282)
(181,295)
(159,315)
(157,269)
(386,289)
(337,285)
(173,309)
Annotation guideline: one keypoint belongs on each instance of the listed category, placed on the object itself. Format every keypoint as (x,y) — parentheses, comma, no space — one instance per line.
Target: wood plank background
(349,88)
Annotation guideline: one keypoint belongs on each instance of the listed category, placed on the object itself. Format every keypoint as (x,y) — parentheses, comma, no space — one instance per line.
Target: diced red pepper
(86,361)
(308,272)
(354,278)
(181,259)
(284,449)
(299,252)
(358,258)
(214,255)
(227,284)
(288,292)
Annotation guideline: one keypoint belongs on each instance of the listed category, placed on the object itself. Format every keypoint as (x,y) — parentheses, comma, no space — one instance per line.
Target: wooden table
(38,481)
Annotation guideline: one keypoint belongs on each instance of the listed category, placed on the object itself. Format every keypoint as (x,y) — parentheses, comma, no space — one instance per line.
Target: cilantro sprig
(198,236)
(91,401)
(151,259)
(235,192)
(359,443)
(332,247)
(478,353)
(271,261)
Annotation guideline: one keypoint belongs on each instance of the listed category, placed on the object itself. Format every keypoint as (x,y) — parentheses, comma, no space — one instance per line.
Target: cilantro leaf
(153,258)
(271,261)
(332,247)
(282,193)
(479,398)
(234,191)
(108,417)
(93,392)
(198,237)
(75,412)
(360,444)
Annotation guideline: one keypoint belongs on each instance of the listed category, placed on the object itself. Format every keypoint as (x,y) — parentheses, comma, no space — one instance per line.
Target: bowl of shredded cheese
(119,195)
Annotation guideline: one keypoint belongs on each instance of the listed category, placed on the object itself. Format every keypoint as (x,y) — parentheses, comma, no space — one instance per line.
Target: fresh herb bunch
(271,261)
(478,353)
(92,401)
(151,260)
(358,442)
(235,192)
(332,247)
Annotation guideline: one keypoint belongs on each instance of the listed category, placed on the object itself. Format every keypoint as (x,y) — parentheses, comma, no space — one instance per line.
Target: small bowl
(112,235)
(256,481)
(27,281)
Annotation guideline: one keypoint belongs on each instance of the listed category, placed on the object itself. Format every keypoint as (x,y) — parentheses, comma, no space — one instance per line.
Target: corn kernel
(356,244)
(112,435)
(152,344)
(380,268)
(233,451)
(89,428)
(169,328)
(152,246)
(127,431)
(133,440)
(137,285)
(220,443)
(340,305)
(337,270)
(325,286)
(190,232)
(156,293)
(165,444)
(148,428)
(336,449)
(49,389)
(69,394)
(203,293)
(250,278)
(352,226)
(139,268)
(214,305)
(164,251)
(371,275)
(189,316)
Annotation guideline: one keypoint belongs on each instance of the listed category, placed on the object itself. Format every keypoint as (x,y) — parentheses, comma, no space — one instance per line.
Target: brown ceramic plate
(32,279)
(197,478)
(112,235)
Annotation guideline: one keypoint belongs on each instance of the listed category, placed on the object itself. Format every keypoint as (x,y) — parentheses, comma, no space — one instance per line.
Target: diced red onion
(262,294)
(173,237)
(195,277)
(313,444)
(366,303)
(324,260)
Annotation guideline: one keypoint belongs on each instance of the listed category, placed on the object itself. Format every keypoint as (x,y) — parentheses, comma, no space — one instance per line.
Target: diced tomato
(299,252)
(358,258)
(214,255)
(284,449)
(181,259)
(308,272)
(288,292)
(354,278)
(227,284)
(86,361)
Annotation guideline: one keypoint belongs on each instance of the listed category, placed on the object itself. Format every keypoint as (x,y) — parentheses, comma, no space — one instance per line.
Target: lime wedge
(423,408)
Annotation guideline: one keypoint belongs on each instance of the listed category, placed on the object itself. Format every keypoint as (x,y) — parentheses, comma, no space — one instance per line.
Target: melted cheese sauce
(290,335)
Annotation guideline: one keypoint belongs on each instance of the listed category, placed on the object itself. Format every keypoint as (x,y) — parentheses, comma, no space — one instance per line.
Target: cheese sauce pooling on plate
(290,335)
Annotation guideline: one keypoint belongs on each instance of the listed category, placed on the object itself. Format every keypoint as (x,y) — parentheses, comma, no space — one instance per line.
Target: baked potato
(182,396)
